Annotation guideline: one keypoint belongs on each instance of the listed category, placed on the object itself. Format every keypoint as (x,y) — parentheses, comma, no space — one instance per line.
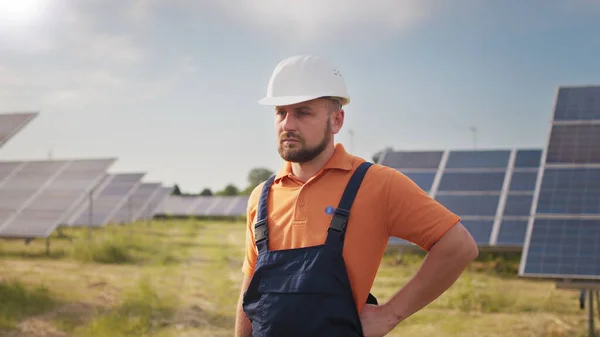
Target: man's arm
(442,266)
(243,327)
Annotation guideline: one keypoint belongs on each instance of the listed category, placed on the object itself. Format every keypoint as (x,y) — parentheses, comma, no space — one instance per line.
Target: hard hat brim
(289,100)
(285,100)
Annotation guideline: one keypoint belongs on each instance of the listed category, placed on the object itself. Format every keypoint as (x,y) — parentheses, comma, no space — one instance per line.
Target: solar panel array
(186,206)
(563,236)
(12,123)
(106,200)
(40,194)
(37,196)
(491,190)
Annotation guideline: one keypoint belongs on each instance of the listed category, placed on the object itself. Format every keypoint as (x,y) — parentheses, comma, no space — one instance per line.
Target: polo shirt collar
(339,160)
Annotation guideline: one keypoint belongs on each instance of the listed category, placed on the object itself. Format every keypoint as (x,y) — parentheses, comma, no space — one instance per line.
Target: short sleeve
(413,215)
(251,252)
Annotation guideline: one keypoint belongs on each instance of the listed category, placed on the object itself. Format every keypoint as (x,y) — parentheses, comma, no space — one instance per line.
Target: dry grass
(181,278)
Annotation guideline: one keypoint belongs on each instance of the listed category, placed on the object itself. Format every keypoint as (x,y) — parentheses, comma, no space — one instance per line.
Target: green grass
(181,278)
(143,312)
(19,301)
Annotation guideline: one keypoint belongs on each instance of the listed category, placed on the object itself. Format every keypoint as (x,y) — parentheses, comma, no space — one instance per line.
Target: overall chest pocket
(307,304)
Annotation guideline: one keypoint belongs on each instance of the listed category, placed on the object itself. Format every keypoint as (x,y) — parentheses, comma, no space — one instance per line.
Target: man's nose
(288,123)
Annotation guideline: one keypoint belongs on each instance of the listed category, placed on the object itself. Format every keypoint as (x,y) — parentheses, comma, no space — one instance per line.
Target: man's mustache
(289,135)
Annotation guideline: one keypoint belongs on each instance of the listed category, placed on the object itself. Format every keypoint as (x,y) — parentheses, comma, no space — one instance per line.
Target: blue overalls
(304,292)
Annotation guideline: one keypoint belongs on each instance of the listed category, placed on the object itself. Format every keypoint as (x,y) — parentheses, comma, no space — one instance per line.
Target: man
(317,230)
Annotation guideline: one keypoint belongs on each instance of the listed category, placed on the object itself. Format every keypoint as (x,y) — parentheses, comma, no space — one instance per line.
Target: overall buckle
(339,222)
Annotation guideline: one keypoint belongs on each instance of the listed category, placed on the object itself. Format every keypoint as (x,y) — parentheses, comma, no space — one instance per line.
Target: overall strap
(261,236)
(339,222)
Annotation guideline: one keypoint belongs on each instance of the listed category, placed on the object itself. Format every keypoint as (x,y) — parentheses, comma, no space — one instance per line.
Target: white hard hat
(302,78)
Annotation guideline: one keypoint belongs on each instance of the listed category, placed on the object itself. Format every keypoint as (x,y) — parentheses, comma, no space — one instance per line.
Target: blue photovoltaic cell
(570,191)
(478,159)
(512,233)
(480,205)
(579,103)
(574,144)
(480,230)
(564,247)
(423,179)
(472,181)
(528,159)
(416,159)
(523,181)
(518,205)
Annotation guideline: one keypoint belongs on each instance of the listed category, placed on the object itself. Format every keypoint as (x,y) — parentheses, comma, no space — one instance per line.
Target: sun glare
(17,12)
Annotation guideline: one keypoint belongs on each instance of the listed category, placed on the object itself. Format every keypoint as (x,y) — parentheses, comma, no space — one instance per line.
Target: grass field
(181,278)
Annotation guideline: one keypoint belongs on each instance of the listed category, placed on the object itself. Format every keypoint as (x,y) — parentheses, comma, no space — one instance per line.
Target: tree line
(255,177)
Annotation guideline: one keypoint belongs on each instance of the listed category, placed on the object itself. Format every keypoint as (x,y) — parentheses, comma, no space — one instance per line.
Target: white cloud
(329,19)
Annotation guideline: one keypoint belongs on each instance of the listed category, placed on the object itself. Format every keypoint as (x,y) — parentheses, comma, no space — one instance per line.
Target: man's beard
(303,155)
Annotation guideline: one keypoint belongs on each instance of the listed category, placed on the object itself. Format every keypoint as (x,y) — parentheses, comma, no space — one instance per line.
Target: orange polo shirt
(387,204)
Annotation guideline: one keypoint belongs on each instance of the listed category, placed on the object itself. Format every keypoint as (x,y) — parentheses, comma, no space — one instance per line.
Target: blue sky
(170,87)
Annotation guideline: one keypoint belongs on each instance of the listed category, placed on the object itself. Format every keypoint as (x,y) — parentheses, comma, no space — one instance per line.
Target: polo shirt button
(301,203)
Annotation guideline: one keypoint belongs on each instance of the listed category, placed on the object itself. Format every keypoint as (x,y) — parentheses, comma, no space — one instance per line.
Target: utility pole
(474,130)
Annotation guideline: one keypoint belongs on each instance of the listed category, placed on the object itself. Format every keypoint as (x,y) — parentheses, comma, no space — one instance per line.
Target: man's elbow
(471,249)
(458,242)
(467,245)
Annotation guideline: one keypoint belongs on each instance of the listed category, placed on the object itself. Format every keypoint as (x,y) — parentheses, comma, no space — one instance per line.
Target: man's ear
(338,121)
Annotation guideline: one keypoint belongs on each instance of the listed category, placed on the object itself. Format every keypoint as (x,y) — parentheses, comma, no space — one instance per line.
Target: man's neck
(305,171)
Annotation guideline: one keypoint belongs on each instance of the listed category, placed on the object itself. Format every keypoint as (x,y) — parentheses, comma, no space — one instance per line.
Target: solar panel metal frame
(75,218)
(534,205)
(28,118)
(107,162)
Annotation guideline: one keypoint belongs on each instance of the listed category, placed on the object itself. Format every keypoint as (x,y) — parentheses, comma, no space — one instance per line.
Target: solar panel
(471,205)
(132,209)
(528,159)
(107,199)
(202,205)
(238,206)
(572,144)
(481,230)
(423,179)
(22,185)
(563,236)
(156,203)
(218,206)
(412,159)
(8,169)
(177,205)
(45,193)
(478,159)
(472,181)
(523,181)
(577,104)
(512,233)
(12,123)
